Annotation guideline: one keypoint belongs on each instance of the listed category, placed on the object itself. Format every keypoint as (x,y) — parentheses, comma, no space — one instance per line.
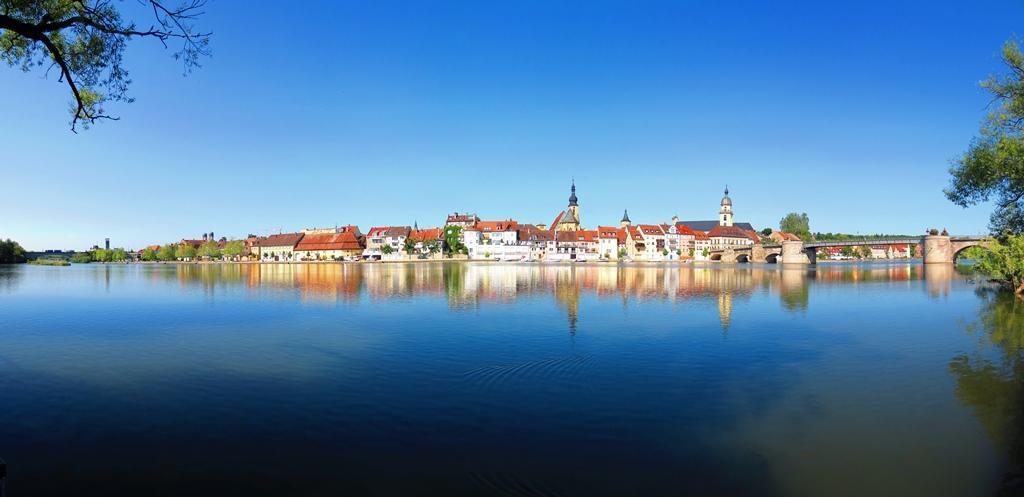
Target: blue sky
(381,113)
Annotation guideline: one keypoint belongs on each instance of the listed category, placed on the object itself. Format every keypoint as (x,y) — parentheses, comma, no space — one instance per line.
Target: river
(522,380)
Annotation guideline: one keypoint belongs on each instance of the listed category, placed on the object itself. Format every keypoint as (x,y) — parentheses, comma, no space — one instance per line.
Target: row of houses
(565,239)
(346,243)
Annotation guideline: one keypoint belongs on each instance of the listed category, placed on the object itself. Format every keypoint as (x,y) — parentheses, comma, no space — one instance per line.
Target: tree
(118,255)
(209,249)
(185,251)
(798,224)
(846,251)
(166,253)
(11,252)
(453,240)
(766,232)
(865,252)
(101,255)
(85,41)
(81,258)
(234,248)
(1003,261)
(432,246)
(148,254)
(993,165)
(622,253)
(409,245)
(386,249)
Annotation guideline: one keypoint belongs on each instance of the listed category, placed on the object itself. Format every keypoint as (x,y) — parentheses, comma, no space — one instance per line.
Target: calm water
(477,379)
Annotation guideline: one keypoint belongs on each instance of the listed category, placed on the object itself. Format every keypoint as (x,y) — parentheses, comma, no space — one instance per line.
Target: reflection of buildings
(471,285)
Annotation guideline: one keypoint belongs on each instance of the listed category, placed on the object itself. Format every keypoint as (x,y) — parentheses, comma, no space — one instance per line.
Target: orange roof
(492,226)
(608,232)
(586,235)
(345,240)
(281,240)
(427,234)
(700,235)
(650,229)
(554,224)
(684,230)
(728,232)
(377,231)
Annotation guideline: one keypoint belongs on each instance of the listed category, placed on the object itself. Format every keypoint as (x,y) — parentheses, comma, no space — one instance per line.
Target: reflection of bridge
(936,249)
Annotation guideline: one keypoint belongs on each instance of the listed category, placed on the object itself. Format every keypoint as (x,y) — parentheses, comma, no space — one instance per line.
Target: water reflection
(498,379)
(467,286)
(989,379)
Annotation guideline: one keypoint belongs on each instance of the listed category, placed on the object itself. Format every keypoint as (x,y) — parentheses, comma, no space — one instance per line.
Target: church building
(569,219)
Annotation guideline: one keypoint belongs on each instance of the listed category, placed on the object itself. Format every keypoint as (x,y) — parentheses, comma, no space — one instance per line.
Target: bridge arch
(772,258)
(743,258)
(715,257)
(959,249)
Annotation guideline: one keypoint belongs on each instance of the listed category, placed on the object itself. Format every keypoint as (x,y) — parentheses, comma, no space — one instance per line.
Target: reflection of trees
(9,276)
(992,386)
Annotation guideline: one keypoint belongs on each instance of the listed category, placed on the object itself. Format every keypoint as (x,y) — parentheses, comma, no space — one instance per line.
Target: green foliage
(913,250)
(386,249)
(185,251)
(409,245)
(1003,261)
(706,252)
(766,231)
(453,240)
(101,255)
(118,255)
(846,251)
(83,41)
(81,258)
(865,252)
(167,253)
(49,262)
(432,246)
(992,168)
(209,249)
(798,224)
(234,248)
(622,253)
(148,255)
(11,252)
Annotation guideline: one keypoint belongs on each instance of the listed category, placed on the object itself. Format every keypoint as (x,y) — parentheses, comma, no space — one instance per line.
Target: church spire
(572,195)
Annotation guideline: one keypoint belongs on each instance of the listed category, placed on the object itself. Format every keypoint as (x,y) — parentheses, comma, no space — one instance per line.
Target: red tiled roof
(554,224)
(345,240)
(728,232)
(492,226)
(586,235)
(650,229)
(427,234)
(281,240)
(685,230)
(699,235)
(609,232)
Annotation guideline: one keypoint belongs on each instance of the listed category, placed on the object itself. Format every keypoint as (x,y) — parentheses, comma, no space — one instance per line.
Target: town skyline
(494,109)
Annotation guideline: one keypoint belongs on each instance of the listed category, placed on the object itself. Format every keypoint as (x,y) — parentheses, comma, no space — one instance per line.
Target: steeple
(725,212)
(572,195)
(625,219)
(415,226)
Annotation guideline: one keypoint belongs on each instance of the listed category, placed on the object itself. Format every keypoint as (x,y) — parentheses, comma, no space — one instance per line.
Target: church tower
(574,206)
(570,220)
(625,219)
(725,213)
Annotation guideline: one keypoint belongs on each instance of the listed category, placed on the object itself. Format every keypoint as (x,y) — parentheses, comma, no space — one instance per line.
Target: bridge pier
(938,250)
(793,252)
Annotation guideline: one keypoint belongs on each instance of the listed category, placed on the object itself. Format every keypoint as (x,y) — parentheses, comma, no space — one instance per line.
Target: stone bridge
(936,249)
